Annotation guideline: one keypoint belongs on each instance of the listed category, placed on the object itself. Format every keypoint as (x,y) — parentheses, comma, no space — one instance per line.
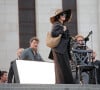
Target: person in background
(79,42)
(61,53)
(3,77)
(80,45)
(97,63)
(32,53)
(19,52)
(11,71)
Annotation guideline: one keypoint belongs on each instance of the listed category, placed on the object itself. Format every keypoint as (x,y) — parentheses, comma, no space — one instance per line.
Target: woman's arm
(57,29)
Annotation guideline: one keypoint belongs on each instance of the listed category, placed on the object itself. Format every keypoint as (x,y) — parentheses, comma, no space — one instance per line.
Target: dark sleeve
(10,73)
(69,50)
(50,55)
(57,29)
(24,55)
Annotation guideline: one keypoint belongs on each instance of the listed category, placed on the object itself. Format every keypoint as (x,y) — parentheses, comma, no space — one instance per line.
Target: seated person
(11,71)
(32,53)
(79,44)
(3,77)
(97,63)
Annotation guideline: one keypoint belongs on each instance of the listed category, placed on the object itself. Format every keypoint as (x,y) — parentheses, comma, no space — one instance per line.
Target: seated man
(32,53)
(79,42)
(79,45)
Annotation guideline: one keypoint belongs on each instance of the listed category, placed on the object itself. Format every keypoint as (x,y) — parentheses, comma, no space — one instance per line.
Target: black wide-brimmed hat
(60,11)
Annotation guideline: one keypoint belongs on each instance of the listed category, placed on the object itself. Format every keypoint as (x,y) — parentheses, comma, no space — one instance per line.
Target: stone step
(49,87)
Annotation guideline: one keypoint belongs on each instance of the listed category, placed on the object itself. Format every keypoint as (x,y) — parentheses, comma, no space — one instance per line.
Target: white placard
(34,72)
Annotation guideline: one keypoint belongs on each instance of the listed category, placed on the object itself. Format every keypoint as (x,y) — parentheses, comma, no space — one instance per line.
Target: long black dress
(61,55)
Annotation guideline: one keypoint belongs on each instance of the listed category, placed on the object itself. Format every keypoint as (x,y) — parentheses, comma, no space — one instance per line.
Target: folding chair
(83,63)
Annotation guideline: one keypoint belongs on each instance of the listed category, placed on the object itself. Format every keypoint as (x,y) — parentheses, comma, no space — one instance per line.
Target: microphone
(87,37)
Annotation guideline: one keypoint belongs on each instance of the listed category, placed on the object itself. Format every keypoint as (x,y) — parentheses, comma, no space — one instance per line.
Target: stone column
(87,15)
(98,15)
(9,36)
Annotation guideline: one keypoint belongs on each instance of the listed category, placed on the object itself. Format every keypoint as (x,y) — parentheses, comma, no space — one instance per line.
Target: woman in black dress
(61,53)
